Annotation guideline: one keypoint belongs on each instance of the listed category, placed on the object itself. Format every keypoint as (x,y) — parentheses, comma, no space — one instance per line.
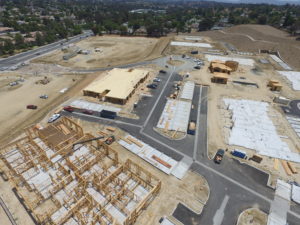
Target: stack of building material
(175,115)
(242,61)
(149,154)
(190,44)
(253,129)
(188,90)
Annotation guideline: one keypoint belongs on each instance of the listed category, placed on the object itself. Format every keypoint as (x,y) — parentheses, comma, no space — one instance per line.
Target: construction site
(192,121)
(65,176)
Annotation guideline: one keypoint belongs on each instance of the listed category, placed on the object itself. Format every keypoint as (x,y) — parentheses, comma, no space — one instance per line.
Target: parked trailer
(239,153)
(108,114)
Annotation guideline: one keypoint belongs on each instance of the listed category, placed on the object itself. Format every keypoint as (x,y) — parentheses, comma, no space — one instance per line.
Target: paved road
(29,55)
(245,186)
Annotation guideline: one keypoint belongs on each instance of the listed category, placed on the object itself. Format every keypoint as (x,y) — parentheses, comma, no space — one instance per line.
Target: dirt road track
(18,128)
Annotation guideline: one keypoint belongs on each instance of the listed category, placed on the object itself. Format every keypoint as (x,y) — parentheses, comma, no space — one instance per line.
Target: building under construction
(117,86)
(64,176)
(223,67)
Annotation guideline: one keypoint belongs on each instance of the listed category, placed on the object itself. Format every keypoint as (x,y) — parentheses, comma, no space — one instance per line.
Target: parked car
(69,108)
(219,156)
(156,79)
(152,86)
(44,96)
(37,53)
(163,71)
(88,112)
(54,117)
(108,114)
(197,67)
(31,107)
(13,83)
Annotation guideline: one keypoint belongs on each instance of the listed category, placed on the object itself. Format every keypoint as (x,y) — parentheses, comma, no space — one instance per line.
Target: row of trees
(59,19)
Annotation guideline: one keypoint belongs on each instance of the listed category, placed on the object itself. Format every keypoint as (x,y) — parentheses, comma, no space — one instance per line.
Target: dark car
(197,67)
(88,112)
(152,86)
(31,107)
(219,156)
(69,109)
(163,71)
(108,114)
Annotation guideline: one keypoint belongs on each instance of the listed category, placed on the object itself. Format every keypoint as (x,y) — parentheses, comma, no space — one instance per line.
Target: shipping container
(238,153)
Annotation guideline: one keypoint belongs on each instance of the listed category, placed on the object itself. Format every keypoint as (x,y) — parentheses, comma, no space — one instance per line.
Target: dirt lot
(253,217)
(251,38)
(113,51)
(14,116)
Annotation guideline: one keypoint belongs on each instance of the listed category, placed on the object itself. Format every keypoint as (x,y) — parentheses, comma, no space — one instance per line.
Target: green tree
(39,39)
(19,41)
(123,30)
(8,46)
(206,24)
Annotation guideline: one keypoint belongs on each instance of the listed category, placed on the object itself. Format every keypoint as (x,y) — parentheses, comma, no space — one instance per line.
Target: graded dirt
(106,51)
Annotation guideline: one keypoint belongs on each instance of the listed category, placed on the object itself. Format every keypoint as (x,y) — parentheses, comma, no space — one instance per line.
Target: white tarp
(188,90)
(147,152)
(253,129)
(242,61)
(280,62)
(175,115)
(283,189)
(293,77)
(296,193)
(193,38)
(82,104)
(190,44)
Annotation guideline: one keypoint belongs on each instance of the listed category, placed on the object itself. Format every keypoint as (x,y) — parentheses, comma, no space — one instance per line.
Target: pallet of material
(135,142)
(161,161)
(286,168)
(126,140)
(112,129)
(102,133)
(292,168)
(276,164)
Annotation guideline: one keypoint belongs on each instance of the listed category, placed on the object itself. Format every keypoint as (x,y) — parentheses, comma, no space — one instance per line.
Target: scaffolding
(81,184)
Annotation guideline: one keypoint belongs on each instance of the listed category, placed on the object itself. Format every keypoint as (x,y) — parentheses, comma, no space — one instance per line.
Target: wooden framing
(96,166)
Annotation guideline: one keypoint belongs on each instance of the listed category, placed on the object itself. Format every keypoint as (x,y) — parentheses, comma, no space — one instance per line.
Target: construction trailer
(117,86)
(275,85)
(220,78)
(63,183)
